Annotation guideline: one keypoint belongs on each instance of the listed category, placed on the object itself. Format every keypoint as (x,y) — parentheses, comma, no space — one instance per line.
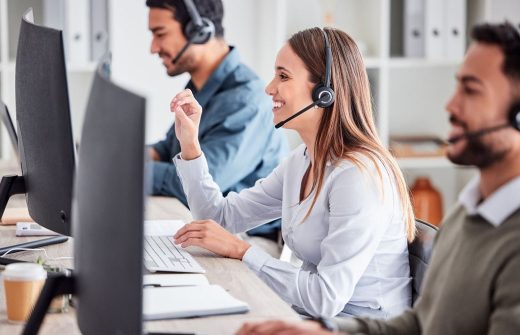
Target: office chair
(419,253)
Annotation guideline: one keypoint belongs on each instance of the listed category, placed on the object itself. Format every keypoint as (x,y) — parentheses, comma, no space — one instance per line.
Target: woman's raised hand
(187,119)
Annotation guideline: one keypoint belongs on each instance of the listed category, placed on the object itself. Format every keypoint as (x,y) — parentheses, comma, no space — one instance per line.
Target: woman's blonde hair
(347,128)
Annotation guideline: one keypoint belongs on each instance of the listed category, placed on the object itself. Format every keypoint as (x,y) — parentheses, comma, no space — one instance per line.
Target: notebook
(174,279)
(189,301)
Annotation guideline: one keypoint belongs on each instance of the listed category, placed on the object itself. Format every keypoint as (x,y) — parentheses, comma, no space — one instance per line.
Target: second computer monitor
(108,212)
(44,125)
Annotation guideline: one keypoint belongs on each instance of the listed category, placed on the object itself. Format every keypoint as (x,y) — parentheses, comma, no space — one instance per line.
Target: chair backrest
(419,253)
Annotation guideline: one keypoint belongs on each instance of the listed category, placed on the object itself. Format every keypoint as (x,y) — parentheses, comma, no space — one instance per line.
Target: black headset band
(328,59)
(193,13)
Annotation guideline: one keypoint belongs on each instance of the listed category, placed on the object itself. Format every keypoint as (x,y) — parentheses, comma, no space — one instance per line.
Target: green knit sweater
(472,285)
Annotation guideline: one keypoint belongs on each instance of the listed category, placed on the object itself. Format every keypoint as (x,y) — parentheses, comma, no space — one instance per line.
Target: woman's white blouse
(353,245)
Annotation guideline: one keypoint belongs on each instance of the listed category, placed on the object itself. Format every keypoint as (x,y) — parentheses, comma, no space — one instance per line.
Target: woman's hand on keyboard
(210,235)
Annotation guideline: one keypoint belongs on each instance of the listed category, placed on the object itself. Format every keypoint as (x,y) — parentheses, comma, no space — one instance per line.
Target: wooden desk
(232,275)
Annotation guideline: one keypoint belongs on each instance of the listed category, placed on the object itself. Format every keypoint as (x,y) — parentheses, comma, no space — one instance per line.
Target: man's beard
(178,70)
(182,66)
(478,153)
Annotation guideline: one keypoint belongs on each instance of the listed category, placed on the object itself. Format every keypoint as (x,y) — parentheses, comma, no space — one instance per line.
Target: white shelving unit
(79,75)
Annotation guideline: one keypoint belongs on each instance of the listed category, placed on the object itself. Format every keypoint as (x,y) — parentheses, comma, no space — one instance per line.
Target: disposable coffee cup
(23,283)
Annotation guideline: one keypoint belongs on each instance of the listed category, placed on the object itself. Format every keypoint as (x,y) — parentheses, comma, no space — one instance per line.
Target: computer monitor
(108,211)
(46,145)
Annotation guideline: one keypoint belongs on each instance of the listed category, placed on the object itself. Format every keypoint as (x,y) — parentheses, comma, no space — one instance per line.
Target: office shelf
(424,162)
(372,62)
(402,62)
(89,67)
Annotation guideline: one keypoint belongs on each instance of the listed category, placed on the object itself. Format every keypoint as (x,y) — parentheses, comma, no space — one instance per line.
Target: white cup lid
(24,271)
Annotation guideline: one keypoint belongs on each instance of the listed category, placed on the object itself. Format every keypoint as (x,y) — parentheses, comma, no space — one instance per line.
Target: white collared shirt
(353,245)
(497,207)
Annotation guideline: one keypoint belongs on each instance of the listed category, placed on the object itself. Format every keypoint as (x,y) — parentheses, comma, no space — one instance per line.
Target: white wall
(499,10)
(134,67)
(249,25)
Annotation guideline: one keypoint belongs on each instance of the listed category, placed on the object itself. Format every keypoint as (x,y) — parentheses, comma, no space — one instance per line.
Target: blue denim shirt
(236,133)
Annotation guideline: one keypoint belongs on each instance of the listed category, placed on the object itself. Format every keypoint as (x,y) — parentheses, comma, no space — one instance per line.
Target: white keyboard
(161,254)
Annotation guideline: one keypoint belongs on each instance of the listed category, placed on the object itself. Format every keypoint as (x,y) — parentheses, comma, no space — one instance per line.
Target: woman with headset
(343,201)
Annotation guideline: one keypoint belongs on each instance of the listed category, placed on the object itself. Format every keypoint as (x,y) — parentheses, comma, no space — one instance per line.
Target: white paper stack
(174,279)
(189,301)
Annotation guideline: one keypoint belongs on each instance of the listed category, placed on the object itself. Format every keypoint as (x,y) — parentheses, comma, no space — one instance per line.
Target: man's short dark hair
(507,38)
(211,9)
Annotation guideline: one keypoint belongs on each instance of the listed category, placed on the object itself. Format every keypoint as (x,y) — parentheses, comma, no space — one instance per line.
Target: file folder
(455,28)
(98,29)
(434,29)
(414,39)
(76,33)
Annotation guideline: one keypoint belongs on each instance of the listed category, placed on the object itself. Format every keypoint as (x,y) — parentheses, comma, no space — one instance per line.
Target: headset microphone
(478,133)
(180,53)
(322,94)
(513,121)
(281,123)
(198,30)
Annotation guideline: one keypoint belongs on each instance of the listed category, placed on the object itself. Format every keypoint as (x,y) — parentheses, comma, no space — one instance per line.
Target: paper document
(32,229)
(175,279)
(189,301)
(162,227)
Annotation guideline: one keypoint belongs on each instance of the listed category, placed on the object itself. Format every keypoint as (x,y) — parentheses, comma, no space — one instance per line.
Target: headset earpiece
(199,34)
(514,116)
(323,96)
(199,29)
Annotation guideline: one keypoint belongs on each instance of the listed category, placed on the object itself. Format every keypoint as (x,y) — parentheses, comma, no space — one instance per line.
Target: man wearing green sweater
(472,285)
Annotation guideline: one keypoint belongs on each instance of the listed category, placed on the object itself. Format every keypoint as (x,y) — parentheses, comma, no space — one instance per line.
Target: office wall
(249,25)
(134,67)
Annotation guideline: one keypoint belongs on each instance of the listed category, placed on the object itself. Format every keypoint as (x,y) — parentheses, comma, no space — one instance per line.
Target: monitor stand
(56,284)
(9,186)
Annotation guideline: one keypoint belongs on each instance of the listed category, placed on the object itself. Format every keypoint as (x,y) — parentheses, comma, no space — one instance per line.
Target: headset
(198,30)
(514,110)
(514,116)
(322,94)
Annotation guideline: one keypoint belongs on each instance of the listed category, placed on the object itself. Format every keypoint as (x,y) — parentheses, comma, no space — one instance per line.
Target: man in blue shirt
(236,130)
